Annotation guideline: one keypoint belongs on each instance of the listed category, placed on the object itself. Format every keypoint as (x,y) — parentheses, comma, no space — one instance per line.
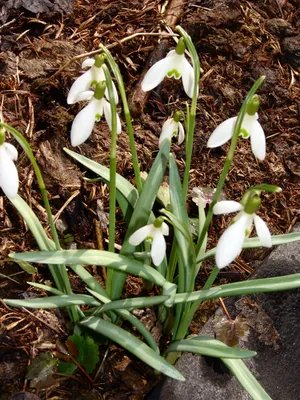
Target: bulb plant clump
(144,250)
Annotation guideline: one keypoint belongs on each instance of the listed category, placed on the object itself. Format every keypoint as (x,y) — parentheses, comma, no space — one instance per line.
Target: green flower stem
(121,87)
(59,273)
(192,115)
(112,174)
(229,158)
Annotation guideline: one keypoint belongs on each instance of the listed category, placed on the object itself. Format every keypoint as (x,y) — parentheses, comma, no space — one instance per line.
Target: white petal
(84,96)
(227,206)
(247,125)
(262,231)
(9,180)
(81,84)
(165,229)
(158,247)
(156,74)
(188,78)
(141,234)
(108,117)
(89,62)
(231,242)
(11,151)
(222,133)
(168,129)
(180,133)
(176,65)
(83,123)
(258,141)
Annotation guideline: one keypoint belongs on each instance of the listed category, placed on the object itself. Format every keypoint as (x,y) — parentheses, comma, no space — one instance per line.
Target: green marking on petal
(98,117)
(99,90)
(245,134)
(174,73)
(247,232)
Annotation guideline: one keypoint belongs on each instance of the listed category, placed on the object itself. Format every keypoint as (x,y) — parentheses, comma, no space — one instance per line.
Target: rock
(274,319)
(291,50)
(280,27)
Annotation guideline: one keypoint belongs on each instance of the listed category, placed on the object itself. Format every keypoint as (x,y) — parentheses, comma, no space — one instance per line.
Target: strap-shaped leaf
(94,257)
(209,347)
(246,379)
(133,345)
(264,285)
(125,187)
(54,301)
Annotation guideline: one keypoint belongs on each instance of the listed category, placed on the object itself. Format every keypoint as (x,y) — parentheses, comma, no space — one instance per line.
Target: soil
(237,42)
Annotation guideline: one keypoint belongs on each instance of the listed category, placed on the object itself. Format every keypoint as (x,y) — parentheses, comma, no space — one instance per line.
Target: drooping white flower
(84,121)
(250,128)
(232,240)
(155,232)
(172,127)
(174,65)
(9,179)
(94,75)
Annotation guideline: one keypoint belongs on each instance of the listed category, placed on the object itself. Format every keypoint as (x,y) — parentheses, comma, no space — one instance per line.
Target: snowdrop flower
(84,121)
(172,127)
(155,232)
(9,179)
(174,65)
(94,75)
(232,240)
(250,128)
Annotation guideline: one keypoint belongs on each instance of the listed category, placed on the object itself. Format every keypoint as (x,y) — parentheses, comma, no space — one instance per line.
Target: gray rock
(274,319)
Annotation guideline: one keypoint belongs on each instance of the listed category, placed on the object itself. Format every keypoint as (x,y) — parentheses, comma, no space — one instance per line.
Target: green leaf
(252,243)
(285,282)
(178,207)
(139,302)
(54,301)
(133,345)
(209,347)
(28,268)
(94,257)
(123,186)
(246,379)
(88,352)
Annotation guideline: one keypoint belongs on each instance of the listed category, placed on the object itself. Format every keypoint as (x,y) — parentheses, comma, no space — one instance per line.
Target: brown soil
(237,41)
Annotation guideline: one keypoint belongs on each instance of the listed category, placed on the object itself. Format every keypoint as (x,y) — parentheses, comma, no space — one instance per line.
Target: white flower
(84,121)
(172,127)
(250,128)
(232,240)
(89,78)
(156,234)
(9,179)
(174,65)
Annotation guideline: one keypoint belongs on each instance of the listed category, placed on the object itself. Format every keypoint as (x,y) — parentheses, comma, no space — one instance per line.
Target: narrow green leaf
(252,243)
(209,347)
(28,268)
(246,379)
(133,320)
(178,207)
(264,285)
(139,302)
(54,301)
(132,344)
(125,187)
(94,257)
